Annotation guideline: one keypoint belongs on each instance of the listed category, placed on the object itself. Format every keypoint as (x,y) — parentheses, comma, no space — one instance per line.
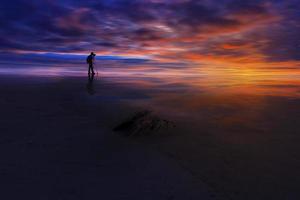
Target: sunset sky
(243,33)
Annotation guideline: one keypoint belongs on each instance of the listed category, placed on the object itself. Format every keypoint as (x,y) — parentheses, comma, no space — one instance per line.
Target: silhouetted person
(90,60)
(90,84)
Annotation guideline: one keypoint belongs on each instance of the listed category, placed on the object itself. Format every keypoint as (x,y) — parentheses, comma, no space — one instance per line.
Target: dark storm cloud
(156,27)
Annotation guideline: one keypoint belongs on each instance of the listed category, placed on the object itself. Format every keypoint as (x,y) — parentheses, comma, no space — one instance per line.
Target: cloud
(224,30)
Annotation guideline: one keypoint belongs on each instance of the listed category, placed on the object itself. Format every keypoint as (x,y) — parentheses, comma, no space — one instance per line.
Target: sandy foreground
(57,142)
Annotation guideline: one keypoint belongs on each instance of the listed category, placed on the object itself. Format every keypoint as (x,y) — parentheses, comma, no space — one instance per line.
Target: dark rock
(142,123)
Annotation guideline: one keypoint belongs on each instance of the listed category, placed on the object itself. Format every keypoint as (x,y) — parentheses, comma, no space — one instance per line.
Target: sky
(249,34)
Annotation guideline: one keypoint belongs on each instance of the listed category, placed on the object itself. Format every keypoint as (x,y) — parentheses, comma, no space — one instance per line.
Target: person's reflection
(90,85)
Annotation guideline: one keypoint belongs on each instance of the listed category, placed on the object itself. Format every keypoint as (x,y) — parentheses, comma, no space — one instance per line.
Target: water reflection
(241,120)
(90,84)
(205,79)
(272,82)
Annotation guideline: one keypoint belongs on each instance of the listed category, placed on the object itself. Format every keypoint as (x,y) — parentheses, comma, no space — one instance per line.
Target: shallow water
(237,131)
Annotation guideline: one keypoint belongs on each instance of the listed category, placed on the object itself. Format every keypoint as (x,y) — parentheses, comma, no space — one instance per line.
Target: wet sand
(57,142)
